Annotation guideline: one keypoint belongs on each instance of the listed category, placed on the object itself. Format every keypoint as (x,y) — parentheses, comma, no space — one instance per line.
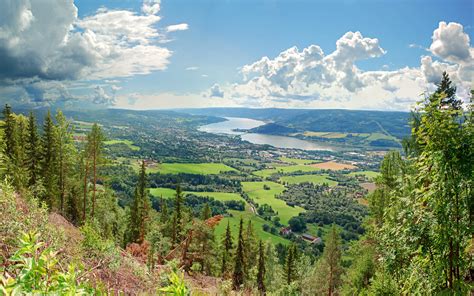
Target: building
(311,239)
(285,231)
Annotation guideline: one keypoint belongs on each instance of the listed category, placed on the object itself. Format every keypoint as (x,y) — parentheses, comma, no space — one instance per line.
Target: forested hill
(321,120)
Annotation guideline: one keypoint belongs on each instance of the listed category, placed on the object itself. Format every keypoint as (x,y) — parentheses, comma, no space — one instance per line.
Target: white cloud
(178,27)
(309,78)
(451,44)
(193,68)
(215,91)
(151,6)
(46,40)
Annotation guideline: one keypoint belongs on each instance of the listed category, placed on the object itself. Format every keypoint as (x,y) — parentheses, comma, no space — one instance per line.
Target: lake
(227,127)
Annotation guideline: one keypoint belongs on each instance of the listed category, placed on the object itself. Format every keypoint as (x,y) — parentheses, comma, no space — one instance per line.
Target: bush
(35,271)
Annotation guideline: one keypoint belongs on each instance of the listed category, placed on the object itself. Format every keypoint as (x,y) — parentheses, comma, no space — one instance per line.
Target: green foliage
(239,263)
(35,270)
(177,285)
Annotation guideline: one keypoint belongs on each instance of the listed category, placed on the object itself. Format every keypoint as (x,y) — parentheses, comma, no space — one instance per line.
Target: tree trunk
(86,171)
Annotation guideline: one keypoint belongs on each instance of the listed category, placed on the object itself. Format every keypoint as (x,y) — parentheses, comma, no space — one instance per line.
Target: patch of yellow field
(334,166)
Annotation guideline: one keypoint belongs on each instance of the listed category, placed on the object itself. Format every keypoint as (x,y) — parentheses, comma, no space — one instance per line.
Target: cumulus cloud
(310,78)
(215,91)
(45,40)
(178,27)
(450,43)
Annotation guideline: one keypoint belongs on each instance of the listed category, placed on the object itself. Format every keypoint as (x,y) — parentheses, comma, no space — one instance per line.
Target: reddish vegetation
(335,166)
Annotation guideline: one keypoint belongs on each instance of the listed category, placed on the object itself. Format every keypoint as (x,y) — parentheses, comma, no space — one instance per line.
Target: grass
(257,223)
(285,170)
(261,196)
(368,174)
(188,168)
(297,160)
(220,196)
(315,179)
(380,136)
(126,142)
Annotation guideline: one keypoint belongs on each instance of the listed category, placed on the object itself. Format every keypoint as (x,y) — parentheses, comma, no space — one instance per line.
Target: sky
(151,54)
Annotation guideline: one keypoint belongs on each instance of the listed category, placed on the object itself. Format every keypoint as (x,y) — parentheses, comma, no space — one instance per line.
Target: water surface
(228,127)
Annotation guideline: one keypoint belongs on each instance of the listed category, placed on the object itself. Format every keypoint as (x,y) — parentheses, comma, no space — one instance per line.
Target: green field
(261,196)
(298,160)
(220,196)
(190,168)
(368,174)
(380,136)
(315,179)
(257,223)
(126,142)
(285,170)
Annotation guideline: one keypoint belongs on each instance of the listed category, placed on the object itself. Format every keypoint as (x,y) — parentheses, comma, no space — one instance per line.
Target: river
(228,127)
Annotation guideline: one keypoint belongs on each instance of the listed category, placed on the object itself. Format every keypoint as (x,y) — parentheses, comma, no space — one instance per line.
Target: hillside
(321,120)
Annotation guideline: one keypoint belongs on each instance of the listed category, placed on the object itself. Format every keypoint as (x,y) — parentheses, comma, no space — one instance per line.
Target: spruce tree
(332,259)
(139,209)
(8,132)
(227,245)
(163,211)
(65,153)
(94,148)
(48,160)
(448,93)
(239,262)
(290,264)
(33,151)
(261,269)
(250,250)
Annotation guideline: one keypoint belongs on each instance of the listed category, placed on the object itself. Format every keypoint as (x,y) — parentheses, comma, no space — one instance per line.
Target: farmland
(128,143)
(368,174)
(286,170)
(332,165)
(220,196)
(260,195)
(315,179)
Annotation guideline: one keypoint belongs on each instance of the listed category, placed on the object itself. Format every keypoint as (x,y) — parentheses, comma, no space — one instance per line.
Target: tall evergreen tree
(239,262)
(250,247)
(139,210)
(65,153)
(94,148)
(33,151)
(48,160)
(227,249)
(290,264)
(8,132)
(332,258)
(447,91)
(261,269)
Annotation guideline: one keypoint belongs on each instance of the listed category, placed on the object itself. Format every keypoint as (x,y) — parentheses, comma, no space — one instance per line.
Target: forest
(74,221)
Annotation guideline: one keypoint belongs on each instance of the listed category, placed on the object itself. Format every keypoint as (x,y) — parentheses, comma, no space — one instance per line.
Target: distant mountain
(320,120)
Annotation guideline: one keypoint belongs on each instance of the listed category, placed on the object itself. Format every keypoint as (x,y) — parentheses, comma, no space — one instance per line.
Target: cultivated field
(220,196)
(335,166)
(368,174)
(315,179)
(257,223)
(208,168)
(129,144)
(256,191)
(298,160)
(286,169)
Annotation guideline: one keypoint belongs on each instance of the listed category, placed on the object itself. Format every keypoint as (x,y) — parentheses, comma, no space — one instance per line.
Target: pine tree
(227,245)
(448,93)
(332,259)
(65,153)
(33,150)
(250,250)
(8,132)
(163,211)
(239,263)
(261,270)
(290,265)
(94,150)
(206,212)
(139,210)
(48,159)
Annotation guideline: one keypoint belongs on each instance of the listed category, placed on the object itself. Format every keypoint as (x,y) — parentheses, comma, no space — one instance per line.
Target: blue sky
(203,65)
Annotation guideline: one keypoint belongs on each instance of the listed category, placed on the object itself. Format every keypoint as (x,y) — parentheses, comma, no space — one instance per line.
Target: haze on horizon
(152,54)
